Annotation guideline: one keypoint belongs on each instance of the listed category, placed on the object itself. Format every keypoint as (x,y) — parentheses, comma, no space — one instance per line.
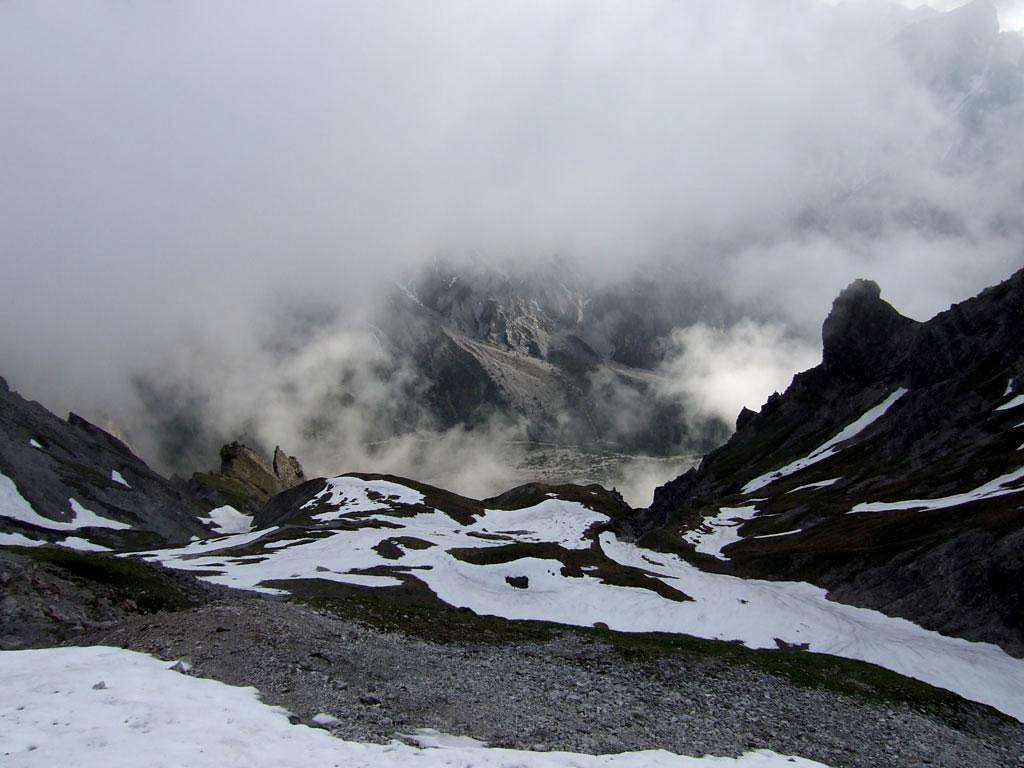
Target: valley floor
(538,688)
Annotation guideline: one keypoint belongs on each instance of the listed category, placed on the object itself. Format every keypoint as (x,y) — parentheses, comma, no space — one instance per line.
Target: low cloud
(718,371)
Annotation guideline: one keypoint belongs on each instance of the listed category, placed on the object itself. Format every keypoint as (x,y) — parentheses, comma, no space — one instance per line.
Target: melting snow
(723,607)
(724,530)
(776,535)
(431,738)
(117,477)
(49,710)
(560,522)
(350,494)
(227,519)
(822,484)
(1014,403)
(829,448)
(85,518)
(82,545)
(990,490)
(17,540)
(15,507)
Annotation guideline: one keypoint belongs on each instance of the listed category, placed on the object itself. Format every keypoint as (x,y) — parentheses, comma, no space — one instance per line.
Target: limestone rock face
(287,469)
(246,480)
(241,463)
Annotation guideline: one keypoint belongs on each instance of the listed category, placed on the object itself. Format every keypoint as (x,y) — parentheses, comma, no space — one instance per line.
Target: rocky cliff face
(246,480)
(892,474)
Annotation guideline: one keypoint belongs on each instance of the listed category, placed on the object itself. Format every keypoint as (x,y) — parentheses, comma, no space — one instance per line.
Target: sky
(178,177)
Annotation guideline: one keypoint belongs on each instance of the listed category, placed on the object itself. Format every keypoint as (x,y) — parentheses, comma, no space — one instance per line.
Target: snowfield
(101,707)
(227,519)
(399,546)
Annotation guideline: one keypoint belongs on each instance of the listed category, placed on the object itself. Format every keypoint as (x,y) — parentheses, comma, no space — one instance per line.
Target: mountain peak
(859,331)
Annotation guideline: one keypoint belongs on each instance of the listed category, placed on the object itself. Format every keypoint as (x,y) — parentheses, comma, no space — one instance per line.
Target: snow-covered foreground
(53,711)
(722,607)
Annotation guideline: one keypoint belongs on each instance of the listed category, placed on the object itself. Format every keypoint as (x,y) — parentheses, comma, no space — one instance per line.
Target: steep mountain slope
(892,474)
(72,482)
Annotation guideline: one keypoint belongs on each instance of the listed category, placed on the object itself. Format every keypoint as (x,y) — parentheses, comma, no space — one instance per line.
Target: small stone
(100,686)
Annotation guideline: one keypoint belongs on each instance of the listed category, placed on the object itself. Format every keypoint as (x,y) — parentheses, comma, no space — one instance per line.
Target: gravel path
(571,693)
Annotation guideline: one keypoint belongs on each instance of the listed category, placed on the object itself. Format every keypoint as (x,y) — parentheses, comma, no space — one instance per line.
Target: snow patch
(49,709)
(14,507)
(429,738)
(227,519)
(822,484)
(82,545)
(990,490)
(776,535)
(35,443)
(1016,402)
(717,533)
(117,477)
(17,540)
(552,521)
(828,448)
(322,718)
(350,494)
(86,518)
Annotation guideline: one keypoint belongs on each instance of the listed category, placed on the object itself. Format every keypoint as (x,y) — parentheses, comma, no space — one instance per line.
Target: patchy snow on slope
(821,484)
(86,518)
(553,520)
(117,477)
(716,533)
(1016,402)
(205,546)
(227,519)
(828,448)
(350,494)
(723,607)
(1009,388)
(757,612)
(14,506)
(82,545)
(34,443)
(990,490)
(18,540)
(776,535)
(146,714)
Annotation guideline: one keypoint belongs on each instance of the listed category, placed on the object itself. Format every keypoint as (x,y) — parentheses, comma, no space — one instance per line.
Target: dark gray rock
(958,570)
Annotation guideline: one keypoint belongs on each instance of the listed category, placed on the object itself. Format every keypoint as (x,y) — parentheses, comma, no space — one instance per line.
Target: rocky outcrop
(287,469)
(863,335)
(246,480)
(951,429)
